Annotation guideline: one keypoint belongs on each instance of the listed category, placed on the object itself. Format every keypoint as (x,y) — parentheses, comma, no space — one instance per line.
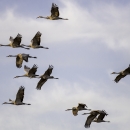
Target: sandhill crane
(19,98)
(80,107)
(35,42)
(54,14)
(91,117)
(20,58)
(101,117)
(45,77)
(15,42)
(122,74)
(29,72)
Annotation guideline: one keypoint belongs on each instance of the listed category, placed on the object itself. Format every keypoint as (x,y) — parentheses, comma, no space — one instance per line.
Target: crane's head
(7,103)
(16,76)
(113,73)
(44,17)
(8,56)
(4,103)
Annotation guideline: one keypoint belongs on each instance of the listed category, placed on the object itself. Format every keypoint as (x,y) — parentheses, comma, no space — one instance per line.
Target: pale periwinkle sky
(84,51)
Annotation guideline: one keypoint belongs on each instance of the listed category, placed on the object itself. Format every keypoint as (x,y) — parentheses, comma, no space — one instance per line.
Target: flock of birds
(95,115)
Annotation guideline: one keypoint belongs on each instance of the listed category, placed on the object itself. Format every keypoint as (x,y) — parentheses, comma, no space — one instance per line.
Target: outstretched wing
(123,74)
(119,77)
(102,115)
(17,40)
(81,105)
(49,70)
(20,95)
(33,70)
(90,118)
(40,83)
(25,57)
(127,70)
(43,80)
(54,10)
(19,61)
(36,39)
(26,68)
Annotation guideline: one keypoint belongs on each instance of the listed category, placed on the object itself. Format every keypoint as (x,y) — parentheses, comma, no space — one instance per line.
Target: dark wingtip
(86,126)
(38,88)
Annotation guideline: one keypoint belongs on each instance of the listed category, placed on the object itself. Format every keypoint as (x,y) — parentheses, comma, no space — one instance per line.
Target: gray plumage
(91,117)
(54,13)
(20,58)
(45,77)
(81,106)
(121,74)
(30,72)
(35,42)
(100,117)
(15,42)
(19,98)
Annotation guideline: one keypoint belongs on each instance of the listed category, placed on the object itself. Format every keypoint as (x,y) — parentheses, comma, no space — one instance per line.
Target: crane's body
(20,58)
(121,74)
(30,72)
(80,107)
(45,77)
(19,98)
(15,42)
(35,42)
(92,117)
(54,14)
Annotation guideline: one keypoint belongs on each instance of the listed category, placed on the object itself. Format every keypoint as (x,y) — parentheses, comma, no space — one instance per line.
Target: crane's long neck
(43,17)
(8,103)
(12,56)
(4,45)
(68,109)
(115,72)
(21,76)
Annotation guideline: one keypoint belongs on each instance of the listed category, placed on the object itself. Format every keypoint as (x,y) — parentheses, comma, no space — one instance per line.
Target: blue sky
(83,50)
